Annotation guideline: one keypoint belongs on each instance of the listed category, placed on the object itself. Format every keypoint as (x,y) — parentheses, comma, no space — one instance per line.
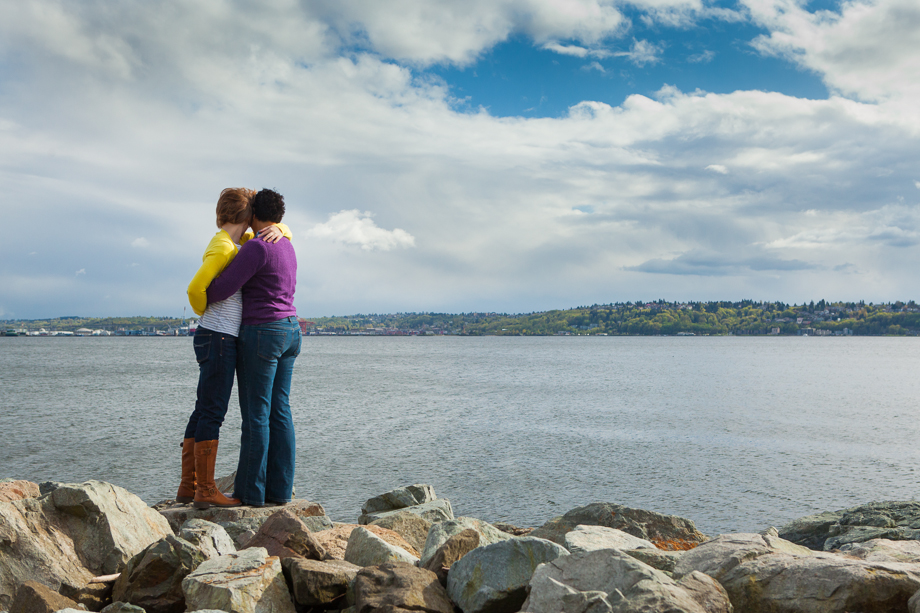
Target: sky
(458,156)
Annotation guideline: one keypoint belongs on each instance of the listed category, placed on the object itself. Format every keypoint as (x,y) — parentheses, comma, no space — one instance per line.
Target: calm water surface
(735,433)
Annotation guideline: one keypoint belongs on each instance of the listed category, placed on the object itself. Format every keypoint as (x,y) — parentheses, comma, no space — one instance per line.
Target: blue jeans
(266,355)
(216,355)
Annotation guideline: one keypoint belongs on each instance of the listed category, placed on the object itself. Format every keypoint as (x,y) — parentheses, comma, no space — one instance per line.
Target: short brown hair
(234,206)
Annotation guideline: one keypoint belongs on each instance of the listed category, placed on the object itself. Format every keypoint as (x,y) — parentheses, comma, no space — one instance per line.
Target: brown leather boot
(187,485)
(206,492)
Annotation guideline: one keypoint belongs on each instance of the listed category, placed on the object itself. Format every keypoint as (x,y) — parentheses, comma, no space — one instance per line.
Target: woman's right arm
(214,261)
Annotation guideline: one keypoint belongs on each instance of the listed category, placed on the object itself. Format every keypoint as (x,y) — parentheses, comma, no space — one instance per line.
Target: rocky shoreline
(97,547)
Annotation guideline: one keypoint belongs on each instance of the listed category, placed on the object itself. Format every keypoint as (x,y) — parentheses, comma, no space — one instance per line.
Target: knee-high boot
(187,485)
(206,492)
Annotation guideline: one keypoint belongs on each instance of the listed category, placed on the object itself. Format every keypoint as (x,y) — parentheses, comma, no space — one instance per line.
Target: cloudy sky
(474,155)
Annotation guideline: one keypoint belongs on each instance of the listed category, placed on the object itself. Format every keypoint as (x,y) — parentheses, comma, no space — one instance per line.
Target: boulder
(440,532)
(335,540)
(400,498)
(367,549)
(721,554)
(209,537)
(316,584)
(610,580)
(317,523)
(122,607)
(665,561)
(434,511)
(34,597)
(178,514)
(884,550)
(819,583)
(94,596)
(71,534)
(830,530)
(592,538)
(153,578)
(249,581)
(494,579)
(11,489)
(396,587)
(452,550)
(667,532)
(285,536)
(512,529)
(408,525)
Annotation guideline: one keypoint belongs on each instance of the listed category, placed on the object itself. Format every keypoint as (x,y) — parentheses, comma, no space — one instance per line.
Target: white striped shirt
(224,316)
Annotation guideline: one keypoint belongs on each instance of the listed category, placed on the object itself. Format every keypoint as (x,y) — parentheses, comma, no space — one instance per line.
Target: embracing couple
(244,293)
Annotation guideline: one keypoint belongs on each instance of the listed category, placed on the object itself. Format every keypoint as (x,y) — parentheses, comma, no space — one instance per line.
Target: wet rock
(610,580)
(592,538)
(440,532)
(452,550)
(318,584)
(877,520)
(153,578)
(178,514)
(494,579)
(667,532)
(397,587)
(285,536)
(400,498)
(94,596)
(408,525)
(12,489)
(249,581)
(34,597)
(72,533)
(819,583)
(367,549)
(434,511)
(335,540)
(209,537)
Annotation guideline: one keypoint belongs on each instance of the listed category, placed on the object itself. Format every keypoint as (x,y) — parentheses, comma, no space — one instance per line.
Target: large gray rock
(13,489)
(209,537)
(408,525)
(34,597)
(178,514)
(249,581)
(820,583)
(72,533)
(493,579)
(153,578)
(894,520)
(609,580)
(450,552)
(400,498)
(664,561)
(122,607)
(367,549)
(440,532)
(396,587)
(433,511)
(723,553)
(285,536)
(592,538)
(884,550)
(667,532)
(318,584)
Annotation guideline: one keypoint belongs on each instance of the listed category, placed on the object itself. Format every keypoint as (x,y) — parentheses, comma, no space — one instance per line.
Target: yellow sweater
(219,253)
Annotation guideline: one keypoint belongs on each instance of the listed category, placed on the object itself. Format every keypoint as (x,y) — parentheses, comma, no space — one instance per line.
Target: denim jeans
(216,355)
(266,354)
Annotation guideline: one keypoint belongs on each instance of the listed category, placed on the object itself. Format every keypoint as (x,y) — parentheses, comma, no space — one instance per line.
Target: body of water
(735,433)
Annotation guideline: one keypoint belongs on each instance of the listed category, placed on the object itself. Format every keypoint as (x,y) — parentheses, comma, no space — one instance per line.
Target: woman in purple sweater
(267,345)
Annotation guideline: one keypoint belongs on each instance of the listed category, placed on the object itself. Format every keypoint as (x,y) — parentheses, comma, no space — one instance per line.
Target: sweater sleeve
(247,263)
(249,235)
(215,259)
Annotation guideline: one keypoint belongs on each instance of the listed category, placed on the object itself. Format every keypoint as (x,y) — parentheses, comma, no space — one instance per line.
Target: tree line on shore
(745,317)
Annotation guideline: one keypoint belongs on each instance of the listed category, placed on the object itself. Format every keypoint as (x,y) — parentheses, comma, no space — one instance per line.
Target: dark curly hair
(268,205)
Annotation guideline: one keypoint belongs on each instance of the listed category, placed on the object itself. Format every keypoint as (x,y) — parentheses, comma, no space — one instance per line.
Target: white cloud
(867,50)
(576,51)
(702,58)
(140,243)
(82,271)
(356,228)
(917,184)
(641,53)
(719,168)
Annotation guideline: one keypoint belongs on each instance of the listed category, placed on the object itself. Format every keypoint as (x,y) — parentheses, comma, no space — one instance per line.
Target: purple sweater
(267,272)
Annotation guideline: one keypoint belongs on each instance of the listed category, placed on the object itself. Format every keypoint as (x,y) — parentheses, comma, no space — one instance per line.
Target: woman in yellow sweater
(215,348)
